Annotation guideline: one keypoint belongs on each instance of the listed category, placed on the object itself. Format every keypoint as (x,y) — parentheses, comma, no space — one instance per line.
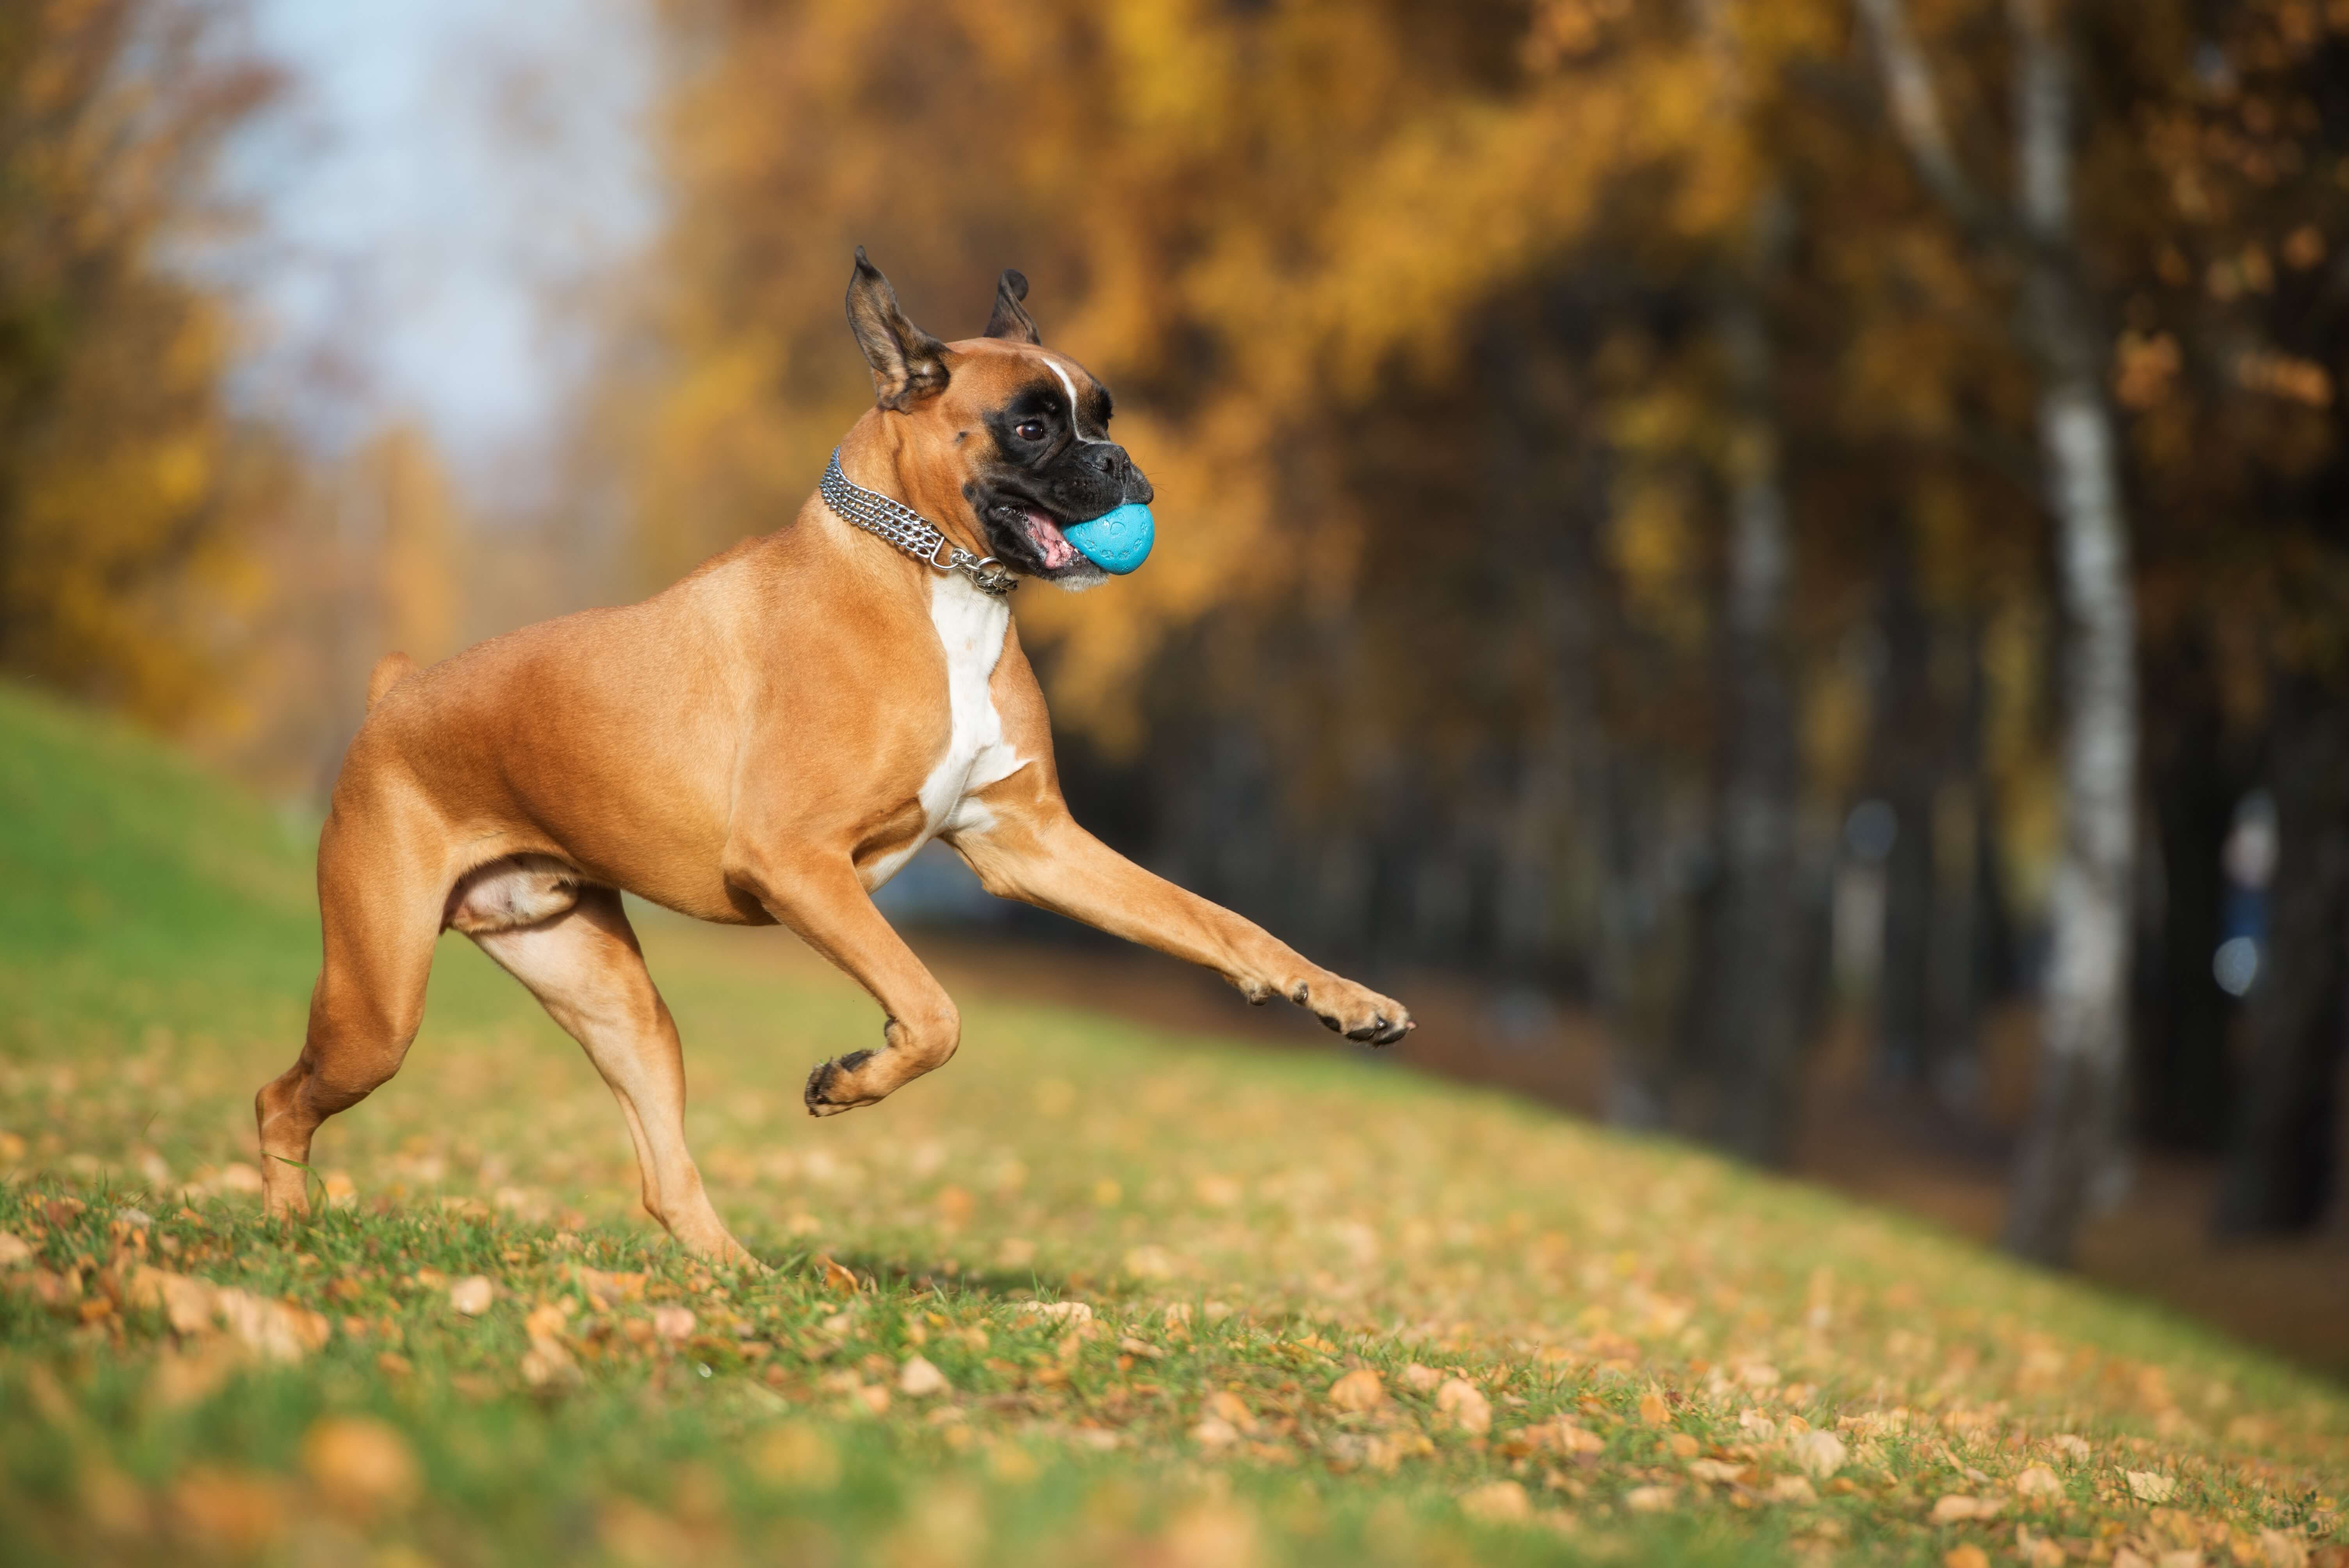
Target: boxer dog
(764,741)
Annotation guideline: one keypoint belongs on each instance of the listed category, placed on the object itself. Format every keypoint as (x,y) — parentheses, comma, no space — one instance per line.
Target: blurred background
(1780,569)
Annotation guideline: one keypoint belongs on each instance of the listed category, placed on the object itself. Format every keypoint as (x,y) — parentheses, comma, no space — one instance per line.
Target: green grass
(1246,1229)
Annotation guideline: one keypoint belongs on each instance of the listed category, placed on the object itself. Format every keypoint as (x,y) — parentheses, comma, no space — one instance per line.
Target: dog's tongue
(1051,542)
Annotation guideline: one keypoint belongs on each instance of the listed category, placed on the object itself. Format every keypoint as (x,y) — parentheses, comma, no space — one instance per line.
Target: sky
(443,181)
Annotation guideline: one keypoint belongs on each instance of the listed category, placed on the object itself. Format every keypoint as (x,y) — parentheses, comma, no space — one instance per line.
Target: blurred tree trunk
(2070,1145)
(1907,737)
(2184,1086)
(2281,1178)
(1965,888)
(1754,985)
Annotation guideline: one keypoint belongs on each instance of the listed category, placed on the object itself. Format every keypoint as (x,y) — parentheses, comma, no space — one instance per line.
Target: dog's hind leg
(585,966)
(381,886)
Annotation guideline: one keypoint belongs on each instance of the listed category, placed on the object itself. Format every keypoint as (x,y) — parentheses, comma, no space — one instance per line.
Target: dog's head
(1020,433)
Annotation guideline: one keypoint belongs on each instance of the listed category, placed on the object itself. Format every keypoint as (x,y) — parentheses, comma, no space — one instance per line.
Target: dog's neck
(881,454)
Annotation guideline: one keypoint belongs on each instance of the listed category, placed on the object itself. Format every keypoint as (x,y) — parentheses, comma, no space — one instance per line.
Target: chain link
(908,531)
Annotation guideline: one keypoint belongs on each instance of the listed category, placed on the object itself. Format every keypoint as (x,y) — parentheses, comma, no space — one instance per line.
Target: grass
(1337,1314)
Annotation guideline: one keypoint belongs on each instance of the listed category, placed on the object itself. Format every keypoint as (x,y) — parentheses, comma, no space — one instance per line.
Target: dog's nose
(1116,466)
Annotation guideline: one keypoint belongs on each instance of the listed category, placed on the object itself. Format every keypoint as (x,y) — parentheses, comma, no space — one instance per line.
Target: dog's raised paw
(827,1086)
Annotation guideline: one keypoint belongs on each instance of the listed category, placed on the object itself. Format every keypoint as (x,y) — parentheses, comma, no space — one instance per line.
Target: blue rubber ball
(1116,541)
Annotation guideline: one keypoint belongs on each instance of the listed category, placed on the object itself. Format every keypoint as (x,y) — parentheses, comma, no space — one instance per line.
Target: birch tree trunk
(2071,1144)
(2073,1141)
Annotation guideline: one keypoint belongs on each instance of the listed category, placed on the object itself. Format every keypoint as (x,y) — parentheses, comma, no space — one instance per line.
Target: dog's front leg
(823,902)
(1032,850)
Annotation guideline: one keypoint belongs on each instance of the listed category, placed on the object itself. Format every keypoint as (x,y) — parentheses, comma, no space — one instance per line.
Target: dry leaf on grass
(1359,1389)
(471,1295)
(231,1512)
(2150,1486)
(1653,1410)
(2283,1550)
(1958,1506)
(1497,1503)
(838,1278)
(1421,1380)
(2037,1481)
(1060,1311)
(2075,1450)
(919,1379)
(1818,1454)
(360,1466)
(1717,1470)
(1792,1488)
(1966,1556)
(1214,1433)
(1465,1405)
(1648,1499)
(273,1330)
(674,1324)
(2037,1551)
(15,1253)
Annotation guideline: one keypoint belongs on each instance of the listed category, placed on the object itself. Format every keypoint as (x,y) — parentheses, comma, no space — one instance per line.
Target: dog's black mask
(1053,464)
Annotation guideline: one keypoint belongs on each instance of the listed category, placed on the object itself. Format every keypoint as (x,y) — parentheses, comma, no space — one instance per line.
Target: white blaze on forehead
(1071,387)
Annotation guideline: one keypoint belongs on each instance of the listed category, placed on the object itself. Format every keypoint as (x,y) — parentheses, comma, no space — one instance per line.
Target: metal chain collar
(907,530)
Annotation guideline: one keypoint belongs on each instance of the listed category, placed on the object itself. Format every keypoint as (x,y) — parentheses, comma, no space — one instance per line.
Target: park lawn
(1091,1294)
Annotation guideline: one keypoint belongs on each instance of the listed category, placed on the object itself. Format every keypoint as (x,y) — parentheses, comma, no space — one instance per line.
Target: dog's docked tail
(388,672)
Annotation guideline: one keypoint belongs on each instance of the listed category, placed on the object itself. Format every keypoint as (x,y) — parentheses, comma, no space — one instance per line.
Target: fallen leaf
(547,1363)
(471,1295)
(1213,1432)
(837,1278)
(1652,1408)
(2037,1551)
(1497,1503)
(1465,1405)
(1648,1499)
(273,1330)
(2150,1486)
(1223,1405)
(233,1512)
(1966,1556)
(1062,1311)
(1791,1488)
(1683,1446)
(674,1324)
(1359,1389)
(1421,1380)
(2283,1551)
(1717,1470)
(2073,1449)
(361,1466)
(1142,1348)
(15,1250)
(1818,1454)
(919,1379)
(1958,1506)
(2037,1481)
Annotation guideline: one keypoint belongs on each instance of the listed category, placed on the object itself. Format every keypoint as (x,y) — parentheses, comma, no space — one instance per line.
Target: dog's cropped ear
(907,363)
(1009,319)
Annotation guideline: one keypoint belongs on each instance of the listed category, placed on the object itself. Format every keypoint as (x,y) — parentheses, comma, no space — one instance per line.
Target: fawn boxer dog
(765,741)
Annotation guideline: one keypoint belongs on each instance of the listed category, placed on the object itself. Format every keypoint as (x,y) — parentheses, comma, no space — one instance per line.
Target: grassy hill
(1093,1294)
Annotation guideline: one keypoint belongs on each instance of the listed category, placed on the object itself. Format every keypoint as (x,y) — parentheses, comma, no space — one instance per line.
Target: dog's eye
(1031,430)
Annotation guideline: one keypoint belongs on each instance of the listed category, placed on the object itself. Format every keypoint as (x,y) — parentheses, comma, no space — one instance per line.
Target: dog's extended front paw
(1354,1011)
(832,1087)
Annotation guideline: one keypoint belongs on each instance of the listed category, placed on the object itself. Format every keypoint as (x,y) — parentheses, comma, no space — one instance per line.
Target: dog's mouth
(1028,536)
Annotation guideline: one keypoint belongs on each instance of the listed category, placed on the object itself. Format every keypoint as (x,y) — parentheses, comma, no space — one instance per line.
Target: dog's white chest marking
(971,626)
